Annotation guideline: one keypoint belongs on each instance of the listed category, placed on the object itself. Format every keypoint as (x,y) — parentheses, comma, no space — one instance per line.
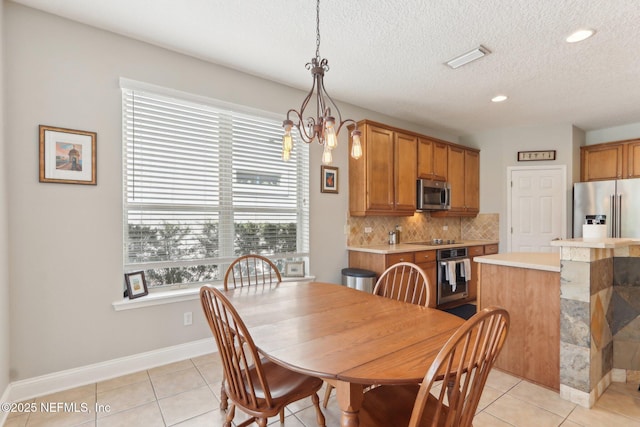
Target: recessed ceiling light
(580,35)
(499,98)
(465,58)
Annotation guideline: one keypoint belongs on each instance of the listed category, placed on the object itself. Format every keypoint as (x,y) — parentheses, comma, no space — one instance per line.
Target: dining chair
(461,368)
(403,281)
(251,270)
(257,386)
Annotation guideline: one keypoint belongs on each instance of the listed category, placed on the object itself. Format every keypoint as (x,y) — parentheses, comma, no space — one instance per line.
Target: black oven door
(452,289)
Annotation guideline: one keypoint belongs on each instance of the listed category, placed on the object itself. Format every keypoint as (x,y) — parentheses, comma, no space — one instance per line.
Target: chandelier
(324,127)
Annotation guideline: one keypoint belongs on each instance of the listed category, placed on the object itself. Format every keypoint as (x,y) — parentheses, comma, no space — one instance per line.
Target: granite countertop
(412,247)
(607,243)
(531,260)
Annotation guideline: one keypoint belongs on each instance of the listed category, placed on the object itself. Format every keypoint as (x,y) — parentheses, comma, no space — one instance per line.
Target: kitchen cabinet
(383,180)
(378,263)
(611,160)
(633,159)
(426,260)
(601,162)
(463,175)
(432,159)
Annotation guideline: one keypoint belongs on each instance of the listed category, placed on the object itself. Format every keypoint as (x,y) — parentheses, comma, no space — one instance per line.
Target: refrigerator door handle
(612,214)
(619,219)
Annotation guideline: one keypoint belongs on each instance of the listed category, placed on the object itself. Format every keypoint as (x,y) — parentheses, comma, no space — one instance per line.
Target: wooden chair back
(463,365)
(251,270)
(238,352)
(405,282)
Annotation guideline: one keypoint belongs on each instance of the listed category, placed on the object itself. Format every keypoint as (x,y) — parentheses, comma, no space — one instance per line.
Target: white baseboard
(63,380)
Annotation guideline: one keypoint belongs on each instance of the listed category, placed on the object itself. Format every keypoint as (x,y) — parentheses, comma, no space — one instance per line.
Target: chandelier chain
(318,29)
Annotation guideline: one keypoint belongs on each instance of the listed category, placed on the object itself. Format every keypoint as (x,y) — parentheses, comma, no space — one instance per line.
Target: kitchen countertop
(532,260)
(411,247)
(608,243)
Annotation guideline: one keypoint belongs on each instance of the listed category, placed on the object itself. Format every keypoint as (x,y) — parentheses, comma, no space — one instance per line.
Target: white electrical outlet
(368,229)
(188,318)
(445,227)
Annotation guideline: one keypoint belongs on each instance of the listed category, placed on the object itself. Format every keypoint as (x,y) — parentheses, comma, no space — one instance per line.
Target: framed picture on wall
(136,284)
(67,156)
(329,179)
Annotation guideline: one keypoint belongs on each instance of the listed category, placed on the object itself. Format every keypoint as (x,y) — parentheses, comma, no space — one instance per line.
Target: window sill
(177,295)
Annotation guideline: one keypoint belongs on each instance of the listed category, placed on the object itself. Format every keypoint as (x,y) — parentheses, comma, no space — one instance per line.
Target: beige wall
(66,244)
(499,150)
(4,254)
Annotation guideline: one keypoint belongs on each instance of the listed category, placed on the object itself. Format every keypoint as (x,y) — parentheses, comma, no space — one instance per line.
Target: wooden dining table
(348,337)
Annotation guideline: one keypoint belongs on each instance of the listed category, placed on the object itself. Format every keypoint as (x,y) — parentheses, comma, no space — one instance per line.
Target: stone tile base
(583,398)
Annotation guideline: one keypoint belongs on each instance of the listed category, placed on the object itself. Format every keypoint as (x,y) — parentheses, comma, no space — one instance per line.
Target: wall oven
(433,195)
(454,272)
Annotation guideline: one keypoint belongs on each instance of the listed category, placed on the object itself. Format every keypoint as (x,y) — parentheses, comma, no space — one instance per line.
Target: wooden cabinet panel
(432,159)
(472,182)
(472,252)
(391,259)
(633,159)
(405,172)
(490,249)
(383,180)
(463,175)
(455,176)
(601,162)
(532,298)
(379,158)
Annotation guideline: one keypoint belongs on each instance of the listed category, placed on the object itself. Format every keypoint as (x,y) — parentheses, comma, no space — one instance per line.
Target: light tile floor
(186,394)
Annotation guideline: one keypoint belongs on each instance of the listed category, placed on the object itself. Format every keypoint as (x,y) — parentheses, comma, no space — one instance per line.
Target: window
(204,184)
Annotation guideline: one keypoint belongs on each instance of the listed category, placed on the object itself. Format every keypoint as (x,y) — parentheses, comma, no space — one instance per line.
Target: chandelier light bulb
(327,157)
(286,155)
(330,138)
(356,146)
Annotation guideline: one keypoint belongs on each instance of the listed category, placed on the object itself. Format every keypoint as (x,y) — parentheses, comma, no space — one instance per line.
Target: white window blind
(204,184)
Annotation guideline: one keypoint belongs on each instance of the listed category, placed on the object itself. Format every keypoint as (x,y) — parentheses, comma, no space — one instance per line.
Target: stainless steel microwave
(433,195)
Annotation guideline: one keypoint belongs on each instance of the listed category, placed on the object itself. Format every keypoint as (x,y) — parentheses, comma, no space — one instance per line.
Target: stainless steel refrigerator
(619,200)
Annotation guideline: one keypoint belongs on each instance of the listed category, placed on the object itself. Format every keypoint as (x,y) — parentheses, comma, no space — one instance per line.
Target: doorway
(536,207)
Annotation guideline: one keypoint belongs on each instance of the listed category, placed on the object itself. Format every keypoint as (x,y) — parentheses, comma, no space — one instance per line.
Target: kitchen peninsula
(528,286)
(585,300)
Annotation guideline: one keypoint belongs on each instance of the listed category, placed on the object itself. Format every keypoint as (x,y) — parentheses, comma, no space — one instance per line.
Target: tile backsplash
(421,227)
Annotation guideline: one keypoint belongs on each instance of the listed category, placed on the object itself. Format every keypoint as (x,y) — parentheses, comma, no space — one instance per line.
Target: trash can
(358,278)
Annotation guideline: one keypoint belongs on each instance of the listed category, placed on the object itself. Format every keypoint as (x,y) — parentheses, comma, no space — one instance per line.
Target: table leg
(350,400)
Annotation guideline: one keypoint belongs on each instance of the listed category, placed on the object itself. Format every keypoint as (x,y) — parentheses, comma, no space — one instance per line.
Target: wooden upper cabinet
(432,159)
(463,175)
(472,182)
(380,168)
(633,157)
(455,176)
(611,160)
(405,172)
(602,161)
(383,180)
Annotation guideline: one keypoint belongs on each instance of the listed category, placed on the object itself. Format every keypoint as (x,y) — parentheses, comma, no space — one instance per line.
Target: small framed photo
(136,284)
(67,156)
(329,179)
(294,269)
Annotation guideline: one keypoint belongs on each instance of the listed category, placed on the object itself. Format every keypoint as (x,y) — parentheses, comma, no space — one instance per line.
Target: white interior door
(536,207)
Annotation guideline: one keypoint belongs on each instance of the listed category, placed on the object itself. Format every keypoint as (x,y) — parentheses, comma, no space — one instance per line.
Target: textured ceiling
(388,56)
